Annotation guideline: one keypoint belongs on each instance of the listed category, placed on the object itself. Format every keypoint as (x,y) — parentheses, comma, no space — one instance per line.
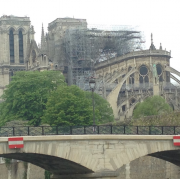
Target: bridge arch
(55,165)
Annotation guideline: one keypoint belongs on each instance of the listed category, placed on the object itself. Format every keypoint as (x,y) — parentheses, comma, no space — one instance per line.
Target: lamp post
(92,84)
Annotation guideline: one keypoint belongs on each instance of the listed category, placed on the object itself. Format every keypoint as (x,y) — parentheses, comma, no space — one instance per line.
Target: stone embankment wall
(145,168)
(149,167)
(18,170)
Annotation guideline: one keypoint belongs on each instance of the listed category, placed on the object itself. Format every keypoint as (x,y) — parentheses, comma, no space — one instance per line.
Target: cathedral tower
(13,46)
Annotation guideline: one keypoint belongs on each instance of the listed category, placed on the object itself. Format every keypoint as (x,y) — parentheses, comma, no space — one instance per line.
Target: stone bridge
(90,156)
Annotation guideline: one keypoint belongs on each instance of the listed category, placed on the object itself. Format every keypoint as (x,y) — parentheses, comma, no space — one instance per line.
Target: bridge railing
(89,130)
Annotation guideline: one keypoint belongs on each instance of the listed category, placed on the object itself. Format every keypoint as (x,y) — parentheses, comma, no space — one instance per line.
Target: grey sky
(161,17)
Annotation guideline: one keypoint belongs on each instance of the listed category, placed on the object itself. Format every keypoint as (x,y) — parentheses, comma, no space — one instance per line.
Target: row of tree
(44,98)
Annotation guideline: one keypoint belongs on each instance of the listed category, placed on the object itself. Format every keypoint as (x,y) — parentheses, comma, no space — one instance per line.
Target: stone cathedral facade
(14,36)
(19,50)
(17,46)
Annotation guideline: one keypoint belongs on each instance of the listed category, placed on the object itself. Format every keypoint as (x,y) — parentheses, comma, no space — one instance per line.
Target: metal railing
(89,130)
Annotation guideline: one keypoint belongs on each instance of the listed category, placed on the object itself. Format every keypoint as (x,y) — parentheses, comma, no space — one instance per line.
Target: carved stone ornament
(23,23)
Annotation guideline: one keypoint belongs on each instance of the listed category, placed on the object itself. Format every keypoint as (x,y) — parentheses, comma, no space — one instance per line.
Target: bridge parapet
(89,156)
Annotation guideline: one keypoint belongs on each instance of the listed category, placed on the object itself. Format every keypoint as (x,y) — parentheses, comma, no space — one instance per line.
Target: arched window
(132,101)
(21,53)
(159,72)
(141,79)
(161,79)
(146,79)
(143,75)
(11,45)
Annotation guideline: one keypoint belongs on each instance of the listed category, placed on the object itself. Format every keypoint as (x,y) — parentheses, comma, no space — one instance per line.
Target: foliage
(154,105)
(8,162)
(104,112)
(69,105)
(47,174)
(171,119)
(26,96)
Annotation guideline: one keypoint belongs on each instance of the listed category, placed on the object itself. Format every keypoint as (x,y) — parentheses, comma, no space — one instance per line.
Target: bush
(155,105)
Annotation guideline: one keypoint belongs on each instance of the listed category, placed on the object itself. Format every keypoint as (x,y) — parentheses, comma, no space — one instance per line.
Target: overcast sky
(161,17)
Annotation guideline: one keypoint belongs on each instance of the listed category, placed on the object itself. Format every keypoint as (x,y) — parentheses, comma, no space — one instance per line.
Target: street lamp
(92,84)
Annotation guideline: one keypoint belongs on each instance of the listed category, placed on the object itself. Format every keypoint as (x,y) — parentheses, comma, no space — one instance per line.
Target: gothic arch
(22,29)
(122,104)
(21,45)
(143,70)
(132,100)
(113,95)
(11,45)
(143,74)
(160,70)
(131,79)
(11,28)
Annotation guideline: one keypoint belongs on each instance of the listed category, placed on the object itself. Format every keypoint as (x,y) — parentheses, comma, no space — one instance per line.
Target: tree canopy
(26,96)
(154,105)
(44,97)
(104,112)
(69,105)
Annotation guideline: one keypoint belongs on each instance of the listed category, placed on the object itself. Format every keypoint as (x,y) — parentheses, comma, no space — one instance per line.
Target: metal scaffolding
(86,46)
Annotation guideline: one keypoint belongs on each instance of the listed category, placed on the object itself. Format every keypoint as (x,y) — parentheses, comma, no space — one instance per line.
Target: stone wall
(149,167)
(35,172)
(145,168)
(18,171)
(3,171)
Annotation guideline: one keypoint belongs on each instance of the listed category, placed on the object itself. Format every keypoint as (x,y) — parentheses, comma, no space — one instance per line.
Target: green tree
(26,96)
(69,105)
(154,105)
(104,112)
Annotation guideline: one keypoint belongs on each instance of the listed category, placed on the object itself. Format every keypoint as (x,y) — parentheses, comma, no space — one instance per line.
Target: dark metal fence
(89,130)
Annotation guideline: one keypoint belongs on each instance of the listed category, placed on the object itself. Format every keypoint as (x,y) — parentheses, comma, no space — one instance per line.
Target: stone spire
(151,38)
(152,47)
(160,48)
(43,41)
